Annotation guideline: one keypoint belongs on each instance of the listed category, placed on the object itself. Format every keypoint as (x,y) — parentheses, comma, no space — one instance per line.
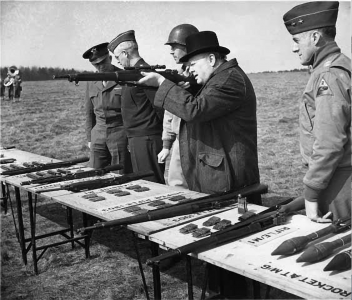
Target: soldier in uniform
(325,110)
(2,94)
(142,121)
(106,135)
(13,83)
(171,123)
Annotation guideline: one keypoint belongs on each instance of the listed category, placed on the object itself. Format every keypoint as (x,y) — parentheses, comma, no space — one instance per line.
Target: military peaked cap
(122,37)
(97,53)
(311,15)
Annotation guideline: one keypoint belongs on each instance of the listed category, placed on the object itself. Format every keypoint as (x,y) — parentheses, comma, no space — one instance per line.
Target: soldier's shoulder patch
(323,88)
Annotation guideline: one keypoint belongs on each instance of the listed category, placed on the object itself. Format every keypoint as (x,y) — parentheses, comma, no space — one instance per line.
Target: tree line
(40,73)
(45,73)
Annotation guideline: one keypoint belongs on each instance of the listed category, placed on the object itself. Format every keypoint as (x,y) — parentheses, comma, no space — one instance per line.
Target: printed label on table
(263,237)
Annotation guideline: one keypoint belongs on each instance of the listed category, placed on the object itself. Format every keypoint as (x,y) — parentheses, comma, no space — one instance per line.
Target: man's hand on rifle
(151,79)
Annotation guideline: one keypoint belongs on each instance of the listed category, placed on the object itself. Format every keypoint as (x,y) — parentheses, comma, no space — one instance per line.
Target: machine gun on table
(78,175)
(216,201)
(42,167)
(261,221)
(98,183)
(129,76)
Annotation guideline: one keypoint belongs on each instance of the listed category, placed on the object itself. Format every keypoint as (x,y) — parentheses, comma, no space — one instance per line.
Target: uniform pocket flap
(210,159)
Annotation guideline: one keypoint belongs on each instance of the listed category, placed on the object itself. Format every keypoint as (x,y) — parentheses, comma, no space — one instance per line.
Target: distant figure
(2,89)
(13,83)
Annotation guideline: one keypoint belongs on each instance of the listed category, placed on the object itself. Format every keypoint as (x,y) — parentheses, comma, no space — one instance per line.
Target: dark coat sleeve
(90,116)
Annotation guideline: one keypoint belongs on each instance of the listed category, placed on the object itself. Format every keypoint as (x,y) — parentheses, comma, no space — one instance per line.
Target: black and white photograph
(175,150)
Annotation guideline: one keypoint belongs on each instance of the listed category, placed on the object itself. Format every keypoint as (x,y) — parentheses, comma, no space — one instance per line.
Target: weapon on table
(340,262)
(191,206)
(259,222)
(78,175)
(7,148)
(48,166)
(322,250)
(98,183)
(128,76)
(7,160)
(298,243)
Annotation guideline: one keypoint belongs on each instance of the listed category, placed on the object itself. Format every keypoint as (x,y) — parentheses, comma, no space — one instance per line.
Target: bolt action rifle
(42,167)
(215,201)
(259,222)
(78,175)
(98,183)
(128,76)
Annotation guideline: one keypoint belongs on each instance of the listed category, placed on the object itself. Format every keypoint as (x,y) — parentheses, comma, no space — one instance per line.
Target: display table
(251,257)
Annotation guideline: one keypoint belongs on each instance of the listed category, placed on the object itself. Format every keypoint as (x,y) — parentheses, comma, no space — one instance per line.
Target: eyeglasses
(118,56)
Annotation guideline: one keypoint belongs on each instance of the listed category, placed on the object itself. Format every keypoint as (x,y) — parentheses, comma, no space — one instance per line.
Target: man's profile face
(177,51)
(304,46)
(121,57)
(200,67)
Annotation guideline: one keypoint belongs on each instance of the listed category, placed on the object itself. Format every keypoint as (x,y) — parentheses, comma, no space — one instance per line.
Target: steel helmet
(179,33)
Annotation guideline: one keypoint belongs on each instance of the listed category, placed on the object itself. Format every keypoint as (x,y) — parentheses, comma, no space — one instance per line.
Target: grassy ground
(49,121)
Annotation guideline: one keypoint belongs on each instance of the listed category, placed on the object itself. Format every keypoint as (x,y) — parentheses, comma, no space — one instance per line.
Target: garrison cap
(122,37)
(97,53)
(311,15)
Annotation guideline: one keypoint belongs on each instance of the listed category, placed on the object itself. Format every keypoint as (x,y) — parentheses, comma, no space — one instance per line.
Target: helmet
(179,33)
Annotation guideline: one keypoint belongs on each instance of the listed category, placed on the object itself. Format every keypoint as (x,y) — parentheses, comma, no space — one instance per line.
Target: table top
(251,257)
(112,207)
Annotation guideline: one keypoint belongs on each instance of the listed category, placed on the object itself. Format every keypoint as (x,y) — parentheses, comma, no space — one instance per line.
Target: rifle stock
(196,205)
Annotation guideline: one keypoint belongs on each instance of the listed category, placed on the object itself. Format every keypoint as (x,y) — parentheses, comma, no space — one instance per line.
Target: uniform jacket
(325,119)
(16,79)
(218,132)
(140,117)
(103,106)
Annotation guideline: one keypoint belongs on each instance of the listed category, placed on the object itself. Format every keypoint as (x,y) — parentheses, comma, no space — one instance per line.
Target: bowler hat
(122,37)
(311,15)
(97,53)
(201,42)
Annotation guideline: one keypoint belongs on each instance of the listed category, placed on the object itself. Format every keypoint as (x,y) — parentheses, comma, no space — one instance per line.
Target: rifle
(78,175)
(296,244)
(7,160)
(48,166)
(215,201)
(128,76)
(259,222)
(99,183)
(7,148)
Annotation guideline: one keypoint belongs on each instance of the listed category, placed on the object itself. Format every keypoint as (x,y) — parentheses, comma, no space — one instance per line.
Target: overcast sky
(56,33)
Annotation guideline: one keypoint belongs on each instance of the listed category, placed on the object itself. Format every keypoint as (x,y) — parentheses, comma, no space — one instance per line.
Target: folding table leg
(33,239)
(140,265)
(4,197)
(189,277)
(20,225)
(156,272)
(87,238)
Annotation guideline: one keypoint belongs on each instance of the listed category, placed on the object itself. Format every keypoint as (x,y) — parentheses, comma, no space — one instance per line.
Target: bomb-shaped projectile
(340,262)
(322,250)
(298,243)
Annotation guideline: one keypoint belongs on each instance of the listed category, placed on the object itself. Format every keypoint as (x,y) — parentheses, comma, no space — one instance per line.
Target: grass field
(49,121)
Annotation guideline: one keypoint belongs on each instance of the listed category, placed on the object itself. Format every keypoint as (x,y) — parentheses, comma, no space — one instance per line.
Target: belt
(115,119)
